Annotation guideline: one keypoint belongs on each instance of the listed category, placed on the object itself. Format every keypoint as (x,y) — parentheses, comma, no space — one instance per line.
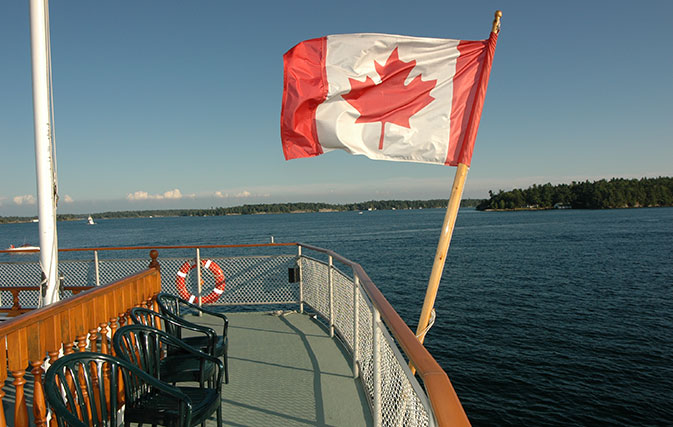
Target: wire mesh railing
(395,396)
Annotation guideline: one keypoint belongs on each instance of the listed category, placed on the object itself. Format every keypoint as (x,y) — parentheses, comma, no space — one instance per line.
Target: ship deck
(286,370)
(283,370)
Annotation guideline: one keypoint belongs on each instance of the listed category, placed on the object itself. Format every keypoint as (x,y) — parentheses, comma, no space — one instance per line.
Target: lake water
(550,317)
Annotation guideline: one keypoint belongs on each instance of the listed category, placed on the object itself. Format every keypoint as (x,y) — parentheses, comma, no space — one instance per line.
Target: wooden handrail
(32,336)
(445,403)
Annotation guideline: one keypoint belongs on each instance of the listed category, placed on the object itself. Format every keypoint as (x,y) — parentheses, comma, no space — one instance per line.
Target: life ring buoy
(181,281)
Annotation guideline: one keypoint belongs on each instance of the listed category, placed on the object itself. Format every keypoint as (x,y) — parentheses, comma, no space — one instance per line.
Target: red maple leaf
(390,101)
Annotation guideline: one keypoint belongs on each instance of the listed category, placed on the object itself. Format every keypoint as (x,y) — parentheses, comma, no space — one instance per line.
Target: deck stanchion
(96,267)
(331,296)
(198,275)
(301,281)
(39,406)
(356,325)
(376,355)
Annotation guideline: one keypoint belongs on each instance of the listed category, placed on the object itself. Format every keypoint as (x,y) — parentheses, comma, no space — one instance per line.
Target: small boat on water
(23,248)
(90,221)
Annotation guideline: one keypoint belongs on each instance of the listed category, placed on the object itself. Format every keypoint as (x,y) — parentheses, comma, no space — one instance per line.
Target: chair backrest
(83,389)
(148,317)
(170,324)
(171,304)
(145,346)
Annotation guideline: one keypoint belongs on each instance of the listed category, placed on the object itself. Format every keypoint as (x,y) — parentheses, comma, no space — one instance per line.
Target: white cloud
(244,194)
(138,195)
(175,194)
(67,199)
(27,199)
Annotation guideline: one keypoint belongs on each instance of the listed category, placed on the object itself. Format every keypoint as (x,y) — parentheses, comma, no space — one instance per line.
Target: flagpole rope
(421,335)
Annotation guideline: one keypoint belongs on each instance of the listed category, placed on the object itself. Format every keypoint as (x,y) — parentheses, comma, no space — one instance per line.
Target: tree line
(264,208)
(602,194)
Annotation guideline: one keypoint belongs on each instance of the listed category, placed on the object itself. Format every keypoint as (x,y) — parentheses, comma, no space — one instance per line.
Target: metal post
(198,275)
(376,354)
(331,297)
(356,326)
(301,281)
(96,267)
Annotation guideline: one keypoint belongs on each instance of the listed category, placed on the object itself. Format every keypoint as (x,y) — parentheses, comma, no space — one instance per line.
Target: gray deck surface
(285,370)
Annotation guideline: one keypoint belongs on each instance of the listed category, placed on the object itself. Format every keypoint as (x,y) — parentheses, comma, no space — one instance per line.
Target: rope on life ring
(181,281)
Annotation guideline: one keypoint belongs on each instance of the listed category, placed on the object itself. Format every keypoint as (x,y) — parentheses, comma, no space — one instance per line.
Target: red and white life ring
(181,281)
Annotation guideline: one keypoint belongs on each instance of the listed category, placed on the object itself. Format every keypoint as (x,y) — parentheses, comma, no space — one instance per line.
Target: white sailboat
(90,221)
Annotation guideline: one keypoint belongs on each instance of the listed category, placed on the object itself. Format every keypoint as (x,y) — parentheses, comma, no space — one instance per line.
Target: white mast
(44,152)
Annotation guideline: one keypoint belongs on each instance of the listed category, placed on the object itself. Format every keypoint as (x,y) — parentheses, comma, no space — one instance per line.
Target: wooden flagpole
(447,232)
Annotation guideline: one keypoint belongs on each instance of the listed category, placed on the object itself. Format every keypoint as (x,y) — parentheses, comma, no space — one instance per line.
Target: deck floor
(285,370)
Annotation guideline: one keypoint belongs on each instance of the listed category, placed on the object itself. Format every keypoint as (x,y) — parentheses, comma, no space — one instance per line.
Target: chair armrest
(196,353)
(225,321)
(181,322)
(182,302)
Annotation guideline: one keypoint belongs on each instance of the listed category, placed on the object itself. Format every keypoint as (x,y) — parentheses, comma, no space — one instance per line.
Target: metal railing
(335,288)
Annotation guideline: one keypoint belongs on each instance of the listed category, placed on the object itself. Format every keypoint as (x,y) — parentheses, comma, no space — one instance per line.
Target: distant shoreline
(260,209)
(616,193)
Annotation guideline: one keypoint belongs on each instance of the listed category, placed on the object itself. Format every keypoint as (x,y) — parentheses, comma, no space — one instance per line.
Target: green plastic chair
(178,364)
(78,398)
(148,349)
(175,308)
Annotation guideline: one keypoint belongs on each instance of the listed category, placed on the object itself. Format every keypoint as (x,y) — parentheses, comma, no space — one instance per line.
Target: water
(544,318)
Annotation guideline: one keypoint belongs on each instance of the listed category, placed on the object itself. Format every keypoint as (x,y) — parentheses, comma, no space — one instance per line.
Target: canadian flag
(385,96)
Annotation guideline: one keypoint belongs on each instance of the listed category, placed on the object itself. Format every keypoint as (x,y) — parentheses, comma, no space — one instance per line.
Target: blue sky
(176,104)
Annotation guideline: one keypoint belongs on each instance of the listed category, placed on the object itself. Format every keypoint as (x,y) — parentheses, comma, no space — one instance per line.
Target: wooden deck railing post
(3,377)
(35,345)
(154,263)
(15,300)
(39,405)
(111,313)
(17,353)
